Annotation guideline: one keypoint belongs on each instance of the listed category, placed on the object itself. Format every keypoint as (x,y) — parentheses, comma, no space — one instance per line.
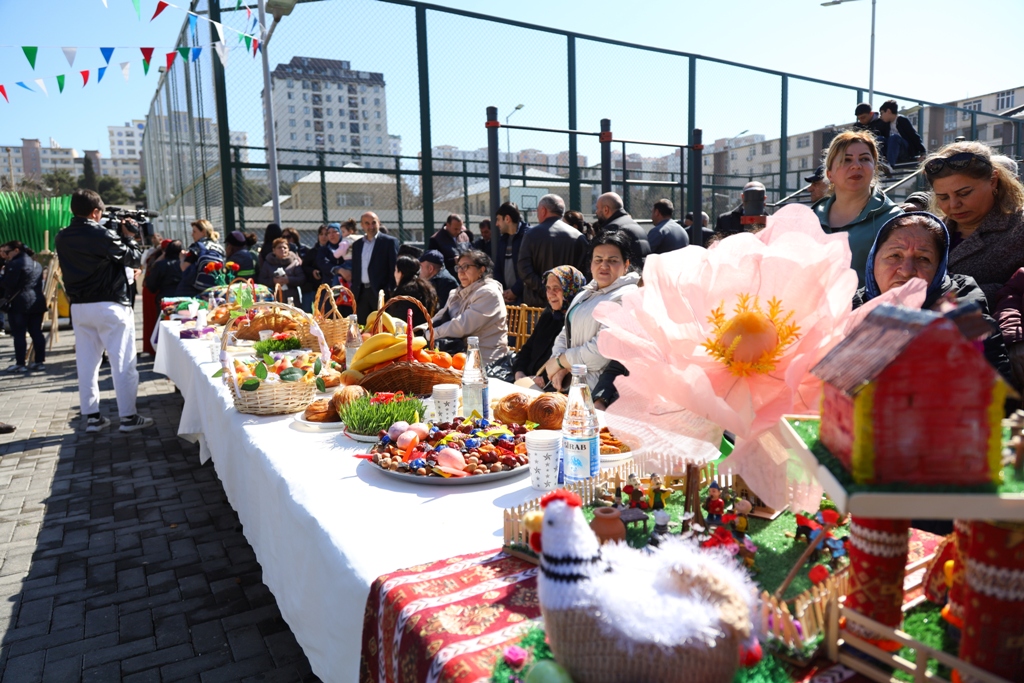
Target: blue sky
(922,51)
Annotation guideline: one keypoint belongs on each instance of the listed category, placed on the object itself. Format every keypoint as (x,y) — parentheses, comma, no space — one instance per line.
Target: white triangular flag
(220,30)
(124,69)
(105,4)
(222,52)
(69,54)
(42,86)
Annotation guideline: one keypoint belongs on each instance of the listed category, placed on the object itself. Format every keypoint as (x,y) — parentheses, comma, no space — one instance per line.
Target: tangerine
(423,356)
(442,360)
(459,361)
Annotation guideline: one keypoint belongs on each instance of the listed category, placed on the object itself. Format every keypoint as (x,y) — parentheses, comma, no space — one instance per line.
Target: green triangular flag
(183,51)
(238,5)
(248,42)
(145,67)
(30,54)
(60,83)
(138,10)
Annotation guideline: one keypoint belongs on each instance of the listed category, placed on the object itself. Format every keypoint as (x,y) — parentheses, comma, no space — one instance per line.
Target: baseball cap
(165,243)
(819,174)
(432,256)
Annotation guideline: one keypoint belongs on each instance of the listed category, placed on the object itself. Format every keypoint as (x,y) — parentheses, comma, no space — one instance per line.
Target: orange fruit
(459,361)
(442,360)
(423,356)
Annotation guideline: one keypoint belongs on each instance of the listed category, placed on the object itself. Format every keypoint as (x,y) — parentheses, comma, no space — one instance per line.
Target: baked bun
(342,397)
(320,411)
(512,409)
(547,410)
(331,378)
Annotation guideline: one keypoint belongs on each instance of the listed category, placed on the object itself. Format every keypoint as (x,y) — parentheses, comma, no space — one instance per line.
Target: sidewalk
(120,557)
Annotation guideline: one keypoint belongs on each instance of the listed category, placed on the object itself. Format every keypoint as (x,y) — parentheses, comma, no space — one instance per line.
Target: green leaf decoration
(292,374)
(320,386)
(219,373)
(261,370)
(317,367)
(268,359)
(251,384)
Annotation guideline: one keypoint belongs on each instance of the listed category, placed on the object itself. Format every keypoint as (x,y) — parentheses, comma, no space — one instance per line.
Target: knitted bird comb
(571,499)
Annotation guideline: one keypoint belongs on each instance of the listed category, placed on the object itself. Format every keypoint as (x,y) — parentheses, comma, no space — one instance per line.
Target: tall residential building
(322,105)
(32,160)
(126,140)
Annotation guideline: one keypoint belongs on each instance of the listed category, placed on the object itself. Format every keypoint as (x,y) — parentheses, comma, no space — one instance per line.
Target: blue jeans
(33,324)
(895,147)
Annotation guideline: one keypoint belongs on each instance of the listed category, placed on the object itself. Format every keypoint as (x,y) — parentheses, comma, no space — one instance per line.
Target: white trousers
(105,326)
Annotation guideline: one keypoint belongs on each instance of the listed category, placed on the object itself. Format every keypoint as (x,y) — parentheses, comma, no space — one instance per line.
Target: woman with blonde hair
(983,204)
(854,203)
(205,249)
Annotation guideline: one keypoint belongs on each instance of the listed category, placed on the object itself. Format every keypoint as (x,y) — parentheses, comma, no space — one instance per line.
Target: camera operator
(94,260)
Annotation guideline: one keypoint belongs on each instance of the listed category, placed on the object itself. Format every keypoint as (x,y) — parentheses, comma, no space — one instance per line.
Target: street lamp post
(508,144)
(871,71)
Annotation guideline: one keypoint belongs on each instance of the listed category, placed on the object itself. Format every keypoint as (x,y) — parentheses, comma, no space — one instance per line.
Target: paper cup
(544,446)
(446,402)
(266,334)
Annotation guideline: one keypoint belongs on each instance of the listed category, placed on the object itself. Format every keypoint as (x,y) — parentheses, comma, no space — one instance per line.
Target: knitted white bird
(614,614)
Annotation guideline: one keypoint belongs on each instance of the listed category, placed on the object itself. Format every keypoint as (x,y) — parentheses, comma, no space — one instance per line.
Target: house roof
(880,338)
(538,178)
(348,177)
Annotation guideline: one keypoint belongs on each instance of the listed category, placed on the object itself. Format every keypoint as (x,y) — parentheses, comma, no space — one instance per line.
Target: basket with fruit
(332,323)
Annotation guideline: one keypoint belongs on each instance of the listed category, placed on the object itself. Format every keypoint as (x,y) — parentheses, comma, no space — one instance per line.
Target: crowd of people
(965,237)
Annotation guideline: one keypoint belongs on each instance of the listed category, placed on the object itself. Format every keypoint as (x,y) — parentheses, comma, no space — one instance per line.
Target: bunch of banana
(381,348)
(388,323)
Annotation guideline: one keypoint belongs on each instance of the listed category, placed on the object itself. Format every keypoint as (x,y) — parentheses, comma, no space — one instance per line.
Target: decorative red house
(908,398)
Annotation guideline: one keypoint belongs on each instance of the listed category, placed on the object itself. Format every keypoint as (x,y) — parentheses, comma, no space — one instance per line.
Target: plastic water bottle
(475,393)
(581,453)
(353,339)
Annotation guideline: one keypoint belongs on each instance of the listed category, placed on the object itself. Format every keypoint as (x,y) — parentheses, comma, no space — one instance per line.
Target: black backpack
(208,252)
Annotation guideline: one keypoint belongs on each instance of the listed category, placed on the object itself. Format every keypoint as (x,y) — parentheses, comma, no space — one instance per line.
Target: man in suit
(552,242)
(666,235)
(373,265)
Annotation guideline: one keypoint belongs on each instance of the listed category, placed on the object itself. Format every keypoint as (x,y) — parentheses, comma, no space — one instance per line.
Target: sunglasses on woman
(957,162)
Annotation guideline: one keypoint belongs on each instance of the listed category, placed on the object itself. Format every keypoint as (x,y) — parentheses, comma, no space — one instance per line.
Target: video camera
(115,215)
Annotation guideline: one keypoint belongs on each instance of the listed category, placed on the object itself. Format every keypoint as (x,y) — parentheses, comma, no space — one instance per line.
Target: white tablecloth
(323,524)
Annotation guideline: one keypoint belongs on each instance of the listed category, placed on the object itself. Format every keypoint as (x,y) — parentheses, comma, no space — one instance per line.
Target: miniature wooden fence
(839,641)
(779,622)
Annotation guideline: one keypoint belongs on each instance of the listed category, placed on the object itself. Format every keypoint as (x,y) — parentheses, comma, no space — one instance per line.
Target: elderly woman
(984,207)
(562,284)
(282,266)
(476,309)
(855,205)
(916,244)
(577,342)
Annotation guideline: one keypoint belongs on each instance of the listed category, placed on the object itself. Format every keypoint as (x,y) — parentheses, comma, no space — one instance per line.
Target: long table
(322,523)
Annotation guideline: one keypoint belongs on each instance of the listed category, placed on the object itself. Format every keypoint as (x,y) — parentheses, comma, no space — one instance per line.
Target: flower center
(752,340)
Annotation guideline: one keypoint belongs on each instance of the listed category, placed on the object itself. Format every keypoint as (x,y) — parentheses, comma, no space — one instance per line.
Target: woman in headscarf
(562,284)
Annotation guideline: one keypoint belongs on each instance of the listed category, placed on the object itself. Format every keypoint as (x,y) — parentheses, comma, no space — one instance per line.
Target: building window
(291,83)
(363,100)
(376,114)
(351,89)
(342,138)
(355,141)
(1004,100)
(291,123)
(947,138)
(305,97)
(318,126)
(353,103)
(376,88)
(291,108)
(293,136)
(309,136)
(317,99)
(305,110)
(305,85)
(329,111)
(732,155)
(379,141)
(290,96)
(366,126)
(766,168)
(366,114)
(803,162)
(354,199)
(997,130)
(378,127)
(983,132)
(330,138)
(766,148)
(376,101)
(973,105)
(327,97)
(353,115)
(330,124)
(120,142)
(320,140)
(318,113)
(306,124)
(362,88)
(949,119)
(803,141)
(316,86)
(353,128)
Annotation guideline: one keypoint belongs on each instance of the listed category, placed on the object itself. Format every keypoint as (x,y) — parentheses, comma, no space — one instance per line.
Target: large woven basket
(271,398)
(332,323)
(405,375)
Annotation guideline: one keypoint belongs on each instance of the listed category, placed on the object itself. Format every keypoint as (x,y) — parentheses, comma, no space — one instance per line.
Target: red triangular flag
(4,93)
(170,59)
(160,7)
(147,54)
(255,45)
(85,77)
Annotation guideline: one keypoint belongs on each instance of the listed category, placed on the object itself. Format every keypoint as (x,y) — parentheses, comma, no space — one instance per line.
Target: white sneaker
(14,369)
(37,367)
(96,423)
(135,423)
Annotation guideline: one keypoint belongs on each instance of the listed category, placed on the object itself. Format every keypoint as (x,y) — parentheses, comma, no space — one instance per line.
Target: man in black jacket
(666,235)
(433,271)
(612,217)
(451,240)
(94,261)
(513,228)
(373,265)
(552,242)
(899,145)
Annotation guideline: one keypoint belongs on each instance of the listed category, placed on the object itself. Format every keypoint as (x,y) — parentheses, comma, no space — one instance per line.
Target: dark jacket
(163,277)
(537,349)
(499,264)
(449,247)
(1009,309)
(444,284)
(192,280)
(326,263)
(728,223)
(399,310)
(545,246)
(993,252)
(292,266)
(246,261)
(904,127)
(23,281)
(863,229)
(382,266)
(93,259)
(622,222)
(667,236)
(309,265)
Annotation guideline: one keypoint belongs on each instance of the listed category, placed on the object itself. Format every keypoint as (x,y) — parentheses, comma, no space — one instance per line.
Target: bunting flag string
(30,55)
(24,86)
(160,7)
(69,54)
(147,54)
(105,4)
(60,83)
(124,69)
(170,59)
(183,51)
(138,9)
(107,53)
(85,77)
(42,86)
(145,68)
(219,29)
(4,93)
(195,53)
(222,52)
(99,74)
(255,46)
(193,21)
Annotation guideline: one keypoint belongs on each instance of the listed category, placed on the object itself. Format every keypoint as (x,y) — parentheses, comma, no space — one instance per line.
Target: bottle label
(580,456)
(485,401)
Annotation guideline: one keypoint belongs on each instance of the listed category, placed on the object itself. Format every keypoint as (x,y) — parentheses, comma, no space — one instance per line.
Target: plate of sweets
(464,451)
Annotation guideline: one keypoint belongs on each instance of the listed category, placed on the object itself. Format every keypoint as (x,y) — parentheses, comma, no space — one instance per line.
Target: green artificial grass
(925,624)
(807,430)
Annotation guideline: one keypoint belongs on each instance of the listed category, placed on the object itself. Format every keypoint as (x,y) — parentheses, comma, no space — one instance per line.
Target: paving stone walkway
(120,557)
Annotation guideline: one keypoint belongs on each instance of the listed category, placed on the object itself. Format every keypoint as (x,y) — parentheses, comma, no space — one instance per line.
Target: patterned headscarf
(572,282)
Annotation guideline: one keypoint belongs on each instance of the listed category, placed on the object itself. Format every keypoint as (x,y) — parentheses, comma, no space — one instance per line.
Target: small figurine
(714,504)
(635,491)
(661,520)
(747,551)
(603,497)
(617,500)
(804,528)
(742,508)
(658,493)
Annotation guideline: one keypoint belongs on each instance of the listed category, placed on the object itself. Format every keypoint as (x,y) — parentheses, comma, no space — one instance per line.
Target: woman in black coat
(163,277)
(23,287)
(409,283)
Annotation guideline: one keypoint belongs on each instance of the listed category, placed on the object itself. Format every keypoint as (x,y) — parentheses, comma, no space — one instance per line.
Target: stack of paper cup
(266,334)
(544,447)
(446,402)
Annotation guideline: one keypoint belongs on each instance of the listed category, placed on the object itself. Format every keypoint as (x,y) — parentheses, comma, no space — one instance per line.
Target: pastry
(512,409)
(331,378)
(547,410)
(345,395)
(320,411)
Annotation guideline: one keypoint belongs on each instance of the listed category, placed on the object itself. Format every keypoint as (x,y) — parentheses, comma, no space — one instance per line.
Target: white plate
(363,439)
(615,458)
(322,426)
(452,481)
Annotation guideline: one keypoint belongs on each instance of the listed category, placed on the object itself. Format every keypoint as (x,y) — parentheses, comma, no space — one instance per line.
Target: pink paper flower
(515,656)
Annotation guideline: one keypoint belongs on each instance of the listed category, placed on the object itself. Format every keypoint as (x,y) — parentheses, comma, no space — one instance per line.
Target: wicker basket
(409,376)
(271,398)
(332,323)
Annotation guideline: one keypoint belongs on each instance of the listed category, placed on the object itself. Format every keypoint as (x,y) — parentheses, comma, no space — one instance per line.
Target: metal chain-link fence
(379,105)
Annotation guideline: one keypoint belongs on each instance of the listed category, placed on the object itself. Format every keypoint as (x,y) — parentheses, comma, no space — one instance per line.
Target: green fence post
(575,199)
(323,184)
(784,141)
(240,188)
(974,125)
(398,195)
(860,96)
(691,120)
(426,158)
(223,132)
(625,187)
(465,193)
(1018,147)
